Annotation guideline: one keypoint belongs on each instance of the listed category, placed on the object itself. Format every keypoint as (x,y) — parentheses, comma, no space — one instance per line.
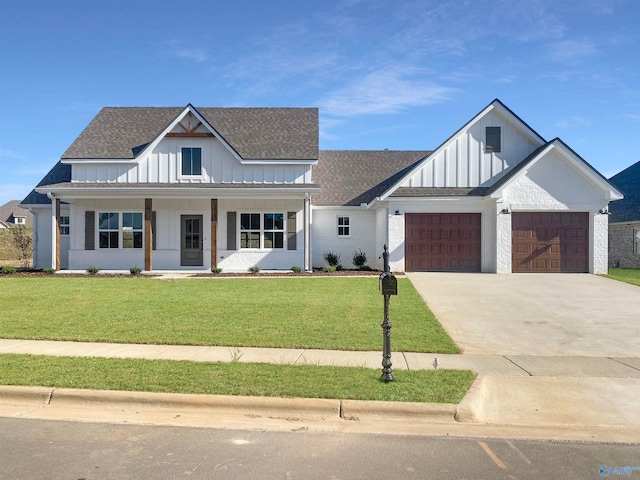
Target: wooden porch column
(148,234)
(57,228)
(214,233)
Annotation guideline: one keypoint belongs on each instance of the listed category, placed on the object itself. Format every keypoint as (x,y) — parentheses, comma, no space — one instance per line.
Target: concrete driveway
(535,314)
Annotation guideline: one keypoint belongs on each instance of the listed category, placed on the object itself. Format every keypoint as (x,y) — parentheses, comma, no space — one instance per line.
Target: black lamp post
(388,286)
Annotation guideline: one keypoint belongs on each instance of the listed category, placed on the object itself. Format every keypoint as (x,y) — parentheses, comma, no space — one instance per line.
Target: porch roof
(72,189)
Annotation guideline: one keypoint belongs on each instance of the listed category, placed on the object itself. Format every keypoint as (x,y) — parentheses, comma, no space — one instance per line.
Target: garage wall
(486,207)
(553,184)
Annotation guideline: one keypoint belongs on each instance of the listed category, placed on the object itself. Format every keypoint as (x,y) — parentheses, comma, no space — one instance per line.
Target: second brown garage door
(442,242)
(550,242)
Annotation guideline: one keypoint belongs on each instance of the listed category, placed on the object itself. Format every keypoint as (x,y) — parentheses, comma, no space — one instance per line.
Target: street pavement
(37,449)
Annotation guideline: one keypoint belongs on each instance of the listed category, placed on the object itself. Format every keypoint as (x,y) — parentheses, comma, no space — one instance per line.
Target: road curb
(265,406)
(468,410)
(437,412)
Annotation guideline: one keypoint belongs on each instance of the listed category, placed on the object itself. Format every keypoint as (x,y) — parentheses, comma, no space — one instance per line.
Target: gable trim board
(263,166)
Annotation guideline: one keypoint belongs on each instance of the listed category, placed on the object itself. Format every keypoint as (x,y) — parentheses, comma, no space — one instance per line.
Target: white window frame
(65,224)
(262,231)
(19,220)
(636,240)
(181,164)
(122,230)
(343,229)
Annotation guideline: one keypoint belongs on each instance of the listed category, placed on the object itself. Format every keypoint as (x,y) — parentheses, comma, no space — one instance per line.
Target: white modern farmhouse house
(191,188)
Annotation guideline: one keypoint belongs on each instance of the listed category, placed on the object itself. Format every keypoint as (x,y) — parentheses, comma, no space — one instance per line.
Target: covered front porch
(182,233)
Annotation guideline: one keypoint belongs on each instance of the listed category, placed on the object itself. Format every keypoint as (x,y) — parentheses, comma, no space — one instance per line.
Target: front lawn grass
(319,312)
(629,275)
(440,386)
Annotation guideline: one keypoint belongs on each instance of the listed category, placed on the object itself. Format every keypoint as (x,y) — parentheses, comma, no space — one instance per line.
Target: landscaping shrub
(49,271)
(8,270)
(296,269)
(216,270)
(93,270)
(254,270)
(329,268)
(333,260)
(359,259)
(135,270)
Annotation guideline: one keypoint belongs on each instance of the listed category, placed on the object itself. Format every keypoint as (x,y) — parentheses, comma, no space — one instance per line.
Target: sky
(402,75)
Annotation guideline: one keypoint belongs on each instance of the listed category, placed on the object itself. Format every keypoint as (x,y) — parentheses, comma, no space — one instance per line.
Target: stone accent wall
(621,245)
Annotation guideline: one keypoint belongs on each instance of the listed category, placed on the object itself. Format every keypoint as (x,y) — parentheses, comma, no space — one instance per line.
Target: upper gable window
(191,161)
(493,140)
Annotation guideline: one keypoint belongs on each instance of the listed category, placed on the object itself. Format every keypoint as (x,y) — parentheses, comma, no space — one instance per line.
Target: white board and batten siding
(166,255)
(163,165)
(462,162)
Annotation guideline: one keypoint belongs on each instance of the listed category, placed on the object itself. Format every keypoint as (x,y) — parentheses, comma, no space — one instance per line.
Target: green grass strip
(335,313)
(248,379)
(628,275)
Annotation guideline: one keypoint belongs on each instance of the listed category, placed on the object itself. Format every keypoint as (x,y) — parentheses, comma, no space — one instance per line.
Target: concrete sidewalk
(501,365)
(515,396)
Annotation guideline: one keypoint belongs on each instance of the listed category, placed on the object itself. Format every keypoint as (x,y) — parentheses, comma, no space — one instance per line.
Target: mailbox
(388,284)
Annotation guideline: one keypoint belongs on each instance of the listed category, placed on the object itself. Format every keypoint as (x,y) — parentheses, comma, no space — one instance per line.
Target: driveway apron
(535,314)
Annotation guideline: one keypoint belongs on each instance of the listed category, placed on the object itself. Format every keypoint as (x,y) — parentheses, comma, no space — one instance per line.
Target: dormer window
(191,161)
(493,141)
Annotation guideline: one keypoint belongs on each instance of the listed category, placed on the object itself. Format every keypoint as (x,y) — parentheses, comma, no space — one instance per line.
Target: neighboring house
(193,188)
(624,220)
(13,215)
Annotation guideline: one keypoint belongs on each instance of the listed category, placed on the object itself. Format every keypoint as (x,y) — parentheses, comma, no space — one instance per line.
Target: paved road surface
(36,449)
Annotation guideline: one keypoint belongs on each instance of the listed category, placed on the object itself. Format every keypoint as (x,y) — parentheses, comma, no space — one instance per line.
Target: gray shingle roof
(254,133)
(628,182)
(58,174)
(352,177)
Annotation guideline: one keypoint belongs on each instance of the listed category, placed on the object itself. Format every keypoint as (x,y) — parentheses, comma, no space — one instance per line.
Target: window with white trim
(344,226)
(191,161)
(64,225)
(132,230)
(19,220)
(273,230)
(114,233)
(636,241)
(262,230)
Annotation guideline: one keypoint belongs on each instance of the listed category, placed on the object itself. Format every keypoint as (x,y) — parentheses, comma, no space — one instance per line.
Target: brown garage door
(550,242)
(442,242)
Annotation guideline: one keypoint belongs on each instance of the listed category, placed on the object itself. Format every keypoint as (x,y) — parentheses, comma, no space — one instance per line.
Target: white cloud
(384,91)
(572,51)
(196,54)
(572,122)
(181,50)
(6,154)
